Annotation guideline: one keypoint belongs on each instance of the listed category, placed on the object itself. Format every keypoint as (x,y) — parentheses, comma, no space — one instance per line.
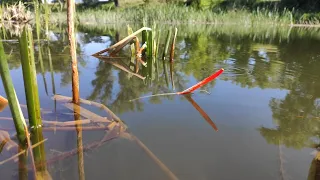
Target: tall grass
(171,13)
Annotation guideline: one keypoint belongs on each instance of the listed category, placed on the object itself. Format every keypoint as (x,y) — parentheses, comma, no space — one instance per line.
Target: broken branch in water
(189,90)
(113,47)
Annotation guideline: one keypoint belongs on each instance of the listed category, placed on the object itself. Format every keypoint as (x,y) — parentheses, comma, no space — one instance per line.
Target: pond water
(265,105)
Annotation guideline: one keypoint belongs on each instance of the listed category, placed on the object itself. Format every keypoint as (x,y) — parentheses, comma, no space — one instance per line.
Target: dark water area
(265,105)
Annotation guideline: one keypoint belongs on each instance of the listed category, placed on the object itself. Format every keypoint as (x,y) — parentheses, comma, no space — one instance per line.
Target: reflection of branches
(103,83)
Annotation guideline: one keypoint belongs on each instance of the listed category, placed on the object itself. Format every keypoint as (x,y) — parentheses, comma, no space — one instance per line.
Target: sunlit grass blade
(203,82)
(202,112)
(16,112)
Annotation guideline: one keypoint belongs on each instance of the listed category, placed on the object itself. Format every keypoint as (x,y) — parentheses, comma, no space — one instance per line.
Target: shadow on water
(267,97)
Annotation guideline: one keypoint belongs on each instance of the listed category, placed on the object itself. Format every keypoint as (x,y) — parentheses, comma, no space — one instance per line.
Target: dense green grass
(166,13)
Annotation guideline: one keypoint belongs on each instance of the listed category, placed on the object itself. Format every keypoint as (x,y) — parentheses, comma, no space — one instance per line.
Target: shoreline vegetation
(175,13)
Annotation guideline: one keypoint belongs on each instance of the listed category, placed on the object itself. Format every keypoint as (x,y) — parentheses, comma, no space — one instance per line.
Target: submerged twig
(23,151)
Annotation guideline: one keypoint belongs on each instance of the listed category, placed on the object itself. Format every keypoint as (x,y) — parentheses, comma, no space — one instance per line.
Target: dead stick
(23,151)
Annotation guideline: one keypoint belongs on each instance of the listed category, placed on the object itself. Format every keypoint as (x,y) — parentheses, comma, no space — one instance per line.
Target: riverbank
(176,14)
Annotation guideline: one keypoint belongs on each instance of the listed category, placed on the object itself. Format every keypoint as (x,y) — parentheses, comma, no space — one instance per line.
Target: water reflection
(281,69)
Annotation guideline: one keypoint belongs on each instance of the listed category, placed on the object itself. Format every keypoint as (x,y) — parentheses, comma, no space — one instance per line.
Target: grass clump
(173,13)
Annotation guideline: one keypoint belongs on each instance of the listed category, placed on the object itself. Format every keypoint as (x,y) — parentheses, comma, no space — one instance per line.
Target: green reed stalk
(166,48)
(15,109)
(150,54)
(30,78)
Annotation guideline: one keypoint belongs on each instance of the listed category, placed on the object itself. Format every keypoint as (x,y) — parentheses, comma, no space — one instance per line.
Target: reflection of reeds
(172,56)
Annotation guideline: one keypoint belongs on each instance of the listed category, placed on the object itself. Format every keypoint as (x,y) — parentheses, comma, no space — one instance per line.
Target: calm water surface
(265,105)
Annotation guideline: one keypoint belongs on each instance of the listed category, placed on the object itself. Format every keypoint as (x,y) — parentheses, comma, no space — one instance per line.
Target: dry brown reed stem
(111,48)
(202,112)
(3,103)
(72,43)
(21,152)
(128,70)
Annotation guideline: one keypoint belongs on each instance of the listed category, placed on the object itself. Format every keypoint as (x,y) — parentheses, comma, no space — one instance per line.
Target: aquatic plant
(16,112)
